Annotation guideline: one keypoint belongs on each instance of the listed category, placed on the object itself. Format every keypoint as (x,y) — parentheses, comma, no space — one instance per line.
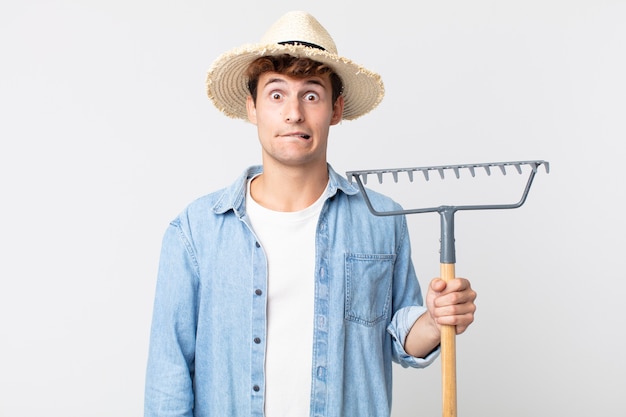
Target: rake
(447,251)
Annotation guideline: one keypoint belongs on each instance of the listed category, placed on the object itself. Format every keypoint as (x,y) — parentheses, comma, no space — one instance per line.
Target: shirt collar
(234,196)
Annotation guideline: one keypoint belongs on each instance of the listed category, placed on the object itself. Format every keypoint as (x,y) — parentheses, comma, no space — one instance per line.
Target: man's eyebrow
(316,82)
(273,81)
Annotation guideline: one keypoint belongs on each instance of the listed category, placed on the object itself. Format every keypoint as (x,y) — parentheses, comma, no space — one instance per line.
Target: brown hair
(293,67)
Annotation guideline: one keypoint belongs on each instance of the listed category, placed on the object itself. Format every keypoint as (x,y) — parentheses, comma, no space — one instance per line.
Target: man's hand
(451,303)
(448,303)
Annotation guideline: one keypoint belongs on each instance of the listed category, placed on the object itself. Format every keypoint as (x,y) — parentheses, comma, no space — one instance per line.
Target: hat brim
(227,84)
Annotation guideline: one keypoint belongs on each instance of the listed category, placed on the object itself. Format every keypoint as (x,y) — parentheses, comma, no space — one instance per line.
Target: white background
(106,134)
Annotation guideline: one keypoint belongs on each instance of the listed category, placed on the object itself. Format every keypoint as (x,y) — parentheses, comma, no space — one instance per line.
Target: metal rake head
(361,179)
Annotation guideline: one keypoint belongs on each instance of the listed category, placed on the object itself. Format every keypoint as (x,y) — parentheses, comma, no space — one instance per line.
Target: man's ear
(251,109)
(337,111)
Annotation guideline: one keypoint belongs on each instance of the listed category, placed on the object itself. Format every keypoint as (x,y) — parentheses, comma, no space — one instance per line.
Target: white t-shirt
(288,239)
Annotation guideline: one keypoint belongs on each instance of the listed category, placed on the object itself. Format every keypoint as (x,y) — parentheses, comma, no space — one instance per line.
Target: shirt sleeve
(399,328)
(407,301)
(169,375)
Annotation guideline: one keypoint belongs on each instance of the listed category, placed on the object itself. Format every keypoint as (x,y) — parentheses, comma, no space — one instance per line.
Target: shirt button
(258,292)
(257,244)
(257,340)
(256,388)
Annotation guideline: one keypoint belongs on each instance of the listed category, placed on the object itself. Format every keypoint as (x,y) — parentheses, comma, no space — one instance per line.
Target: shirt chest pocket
(368,287)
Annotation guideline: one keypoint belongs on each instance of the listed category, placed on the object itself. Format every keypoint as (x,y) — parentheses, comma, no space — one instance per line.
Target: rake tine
(425,172)
(395,176)
(441,174)
(410,175)
(456,171)
(518,167)
(380,177)
(471,170)
(503,169)
(487,170)
(364,177)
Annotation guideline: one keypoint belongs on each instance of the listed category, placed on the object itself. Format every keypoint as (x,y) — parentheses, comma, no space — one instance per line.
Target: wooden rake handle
(448,355)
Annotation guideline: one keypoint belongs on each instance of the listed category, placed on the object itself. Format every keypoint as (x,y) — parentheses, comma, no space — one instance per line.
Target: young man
(281,295)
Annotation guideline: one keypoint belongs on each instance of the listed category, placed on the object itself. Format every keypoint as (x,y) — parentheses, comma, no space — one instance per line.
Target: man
(281,295)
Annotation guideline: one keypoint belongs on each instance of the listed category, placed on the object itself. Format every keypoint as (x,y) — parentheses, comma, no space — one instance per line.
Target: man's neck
(287,189)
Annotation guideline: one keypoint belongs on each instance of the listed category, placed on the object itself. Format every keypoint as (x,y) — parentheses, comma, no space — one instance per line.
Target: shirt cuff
(399,328)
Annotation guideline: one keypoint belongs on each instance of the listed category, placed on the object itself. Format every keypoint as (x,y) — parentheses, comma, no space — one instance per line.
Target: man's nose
(293,111)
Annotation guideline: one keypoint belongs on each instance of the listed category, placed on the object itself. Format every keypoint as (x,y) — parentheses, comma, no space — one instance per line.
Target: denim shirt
(207,343)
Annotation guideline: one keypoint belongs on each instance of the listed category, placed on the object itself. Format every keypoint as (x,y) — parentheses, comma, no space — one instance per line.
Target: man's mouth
(297,135)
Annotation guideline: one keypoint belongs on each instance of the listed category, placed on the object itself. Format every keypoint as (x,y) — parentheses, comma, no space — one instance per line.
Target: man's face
(293,117)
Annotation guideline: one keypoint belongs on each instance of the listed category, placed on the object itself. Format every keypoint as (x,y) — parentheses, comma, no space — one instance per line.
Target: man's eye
(276,96)
(311,97)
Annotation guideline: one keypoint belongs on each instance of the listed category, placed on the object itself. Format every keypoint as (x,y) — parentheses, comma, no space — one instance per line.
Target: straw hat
(298,34)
